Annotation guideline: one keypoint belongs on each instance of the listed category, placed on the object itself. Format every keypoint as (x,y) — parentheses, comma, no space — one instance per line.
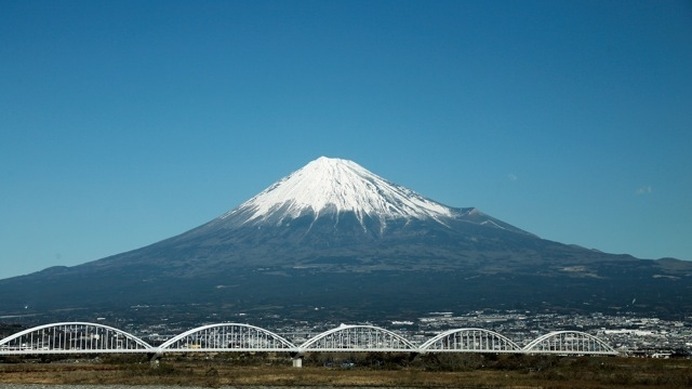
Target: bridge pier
(154,359)
(297,359)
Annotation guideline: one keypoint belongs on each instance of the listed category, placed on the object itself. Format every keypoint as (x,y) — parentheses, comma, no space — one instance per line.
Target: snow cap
(339,185)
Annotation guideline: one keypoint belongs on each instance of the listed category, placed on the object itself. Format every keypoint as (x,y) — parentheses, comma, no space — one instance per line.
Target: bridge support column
(154,359)
(297,360)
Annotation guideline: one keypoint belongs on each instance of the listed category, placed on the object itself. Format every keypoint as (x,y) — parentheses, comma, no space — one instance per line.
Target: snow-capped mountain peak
(332,185)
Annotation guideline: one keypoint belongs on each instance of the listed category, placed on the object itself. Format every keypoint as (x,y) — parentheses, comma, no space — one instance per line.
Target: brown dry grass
(556,373)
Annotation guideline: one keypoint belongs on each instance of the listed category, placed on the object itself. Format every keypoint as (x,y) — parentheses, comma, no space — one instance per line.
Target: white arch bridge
(86,338)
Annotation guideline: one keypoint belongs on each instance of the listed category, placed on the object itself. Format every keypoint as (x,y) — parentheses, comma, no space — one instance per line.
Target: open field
(362,370)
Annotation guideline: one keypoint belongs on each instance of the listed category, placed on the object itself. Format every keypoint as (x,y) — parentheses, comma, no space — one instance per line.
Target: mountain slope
(334,234)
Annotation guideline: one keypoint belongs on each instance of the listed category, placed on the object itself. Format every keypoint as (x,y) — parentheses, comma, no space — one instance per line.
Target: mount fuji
(335,237)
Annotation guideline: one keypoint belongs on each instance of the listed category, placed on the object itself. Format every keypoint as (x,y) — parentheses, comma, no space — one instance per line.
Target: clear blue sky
(126,122)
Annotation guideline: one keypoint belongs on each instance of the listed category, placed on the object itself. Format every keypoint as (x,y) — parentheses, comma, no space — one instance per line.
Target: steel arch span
(72,338)
(569,342)
(475,340)
(227,337)
(358,338)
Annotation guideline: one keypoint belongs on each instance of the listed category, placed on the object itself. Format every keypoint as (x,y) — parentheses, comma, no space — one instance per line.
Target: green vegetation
(354,369)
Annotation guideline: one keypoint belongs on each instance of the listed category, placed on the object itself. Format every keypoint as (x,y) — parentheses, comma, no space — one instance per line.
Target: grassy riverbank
(374,370)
